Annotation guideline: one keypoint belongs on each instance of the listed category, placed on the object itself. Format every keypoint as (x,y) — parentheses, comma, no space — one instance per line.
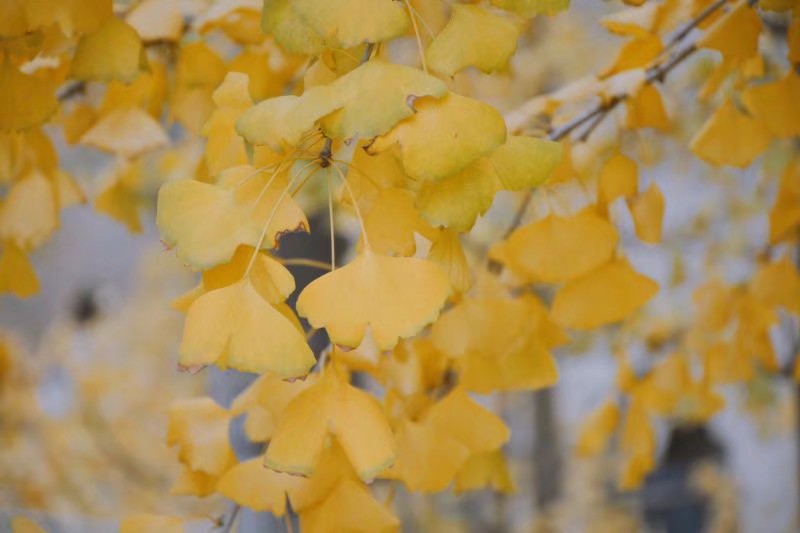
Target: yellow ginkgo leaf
(531,8)
(376,96)
(16,272)
(463,419)
(731,137)
(281,122)
(444,136)
(597,430)
(395,296)
(113,52)
(121,203)
(206,223)
(637,53)
(560,248)
(199,427)
(28,213)
(127,132)
(350,507)
(645,109)
(194,483)
(427,461)
(619,177)
(735,34)
(27,100)
(235,327)
(774,104)
(485,470)
(270,278)
(391,223)
(633,22)
(225,148)
(332,407)
(265,401)
(456,201)
(280,20)
(253,485)
(463,42)
(348,23)
(784,219)
(447,252)
(144,523)
(526,367)
(605,295)
(647,210)
(778,284)
(332,468)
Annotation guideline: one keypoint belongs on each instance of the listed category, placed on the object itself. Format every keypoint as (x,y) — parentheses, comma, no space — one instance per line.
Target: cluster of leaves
(416,164)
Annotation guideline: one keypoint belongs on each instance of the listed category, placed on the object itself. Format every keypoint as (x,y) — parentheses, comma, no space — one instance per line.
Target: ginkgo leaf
(235,327)
(331,469)
(265,401)
(350,507)
(16,272)
(280,20)
(281,122)
(332,407)
(225,148)
(735,34)
(730,137)
(597,430)
(635,22)
(456,201)
(206,223)
(348,23)
(774,104)
(427,461)
(531,8)
(778,284)
(113,52)
(28,213)
(603,296)
(444,136)
(637,53)
(559,248)
(528,367)
(120,202)
(619,177)
(257,487)
(127,132)
(194,483)
(27,100)
(463,419)
(485,470)
(376,96)
(199,427)
(462,42)
(645,109)
(447,252)
(395,296)
(391,223)
(647,210)
(143,523)
(784,219)
(270,278)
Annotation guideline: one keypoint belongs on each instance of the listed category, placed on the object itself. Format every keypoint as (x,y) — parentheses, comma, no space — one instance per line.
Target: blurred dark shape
(671,503)
(85,307)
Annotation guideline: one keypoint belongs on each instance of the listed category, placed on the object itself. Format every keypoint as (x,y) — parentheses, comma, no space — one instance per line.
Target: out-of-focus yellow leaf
(23,524)
(463,42)
(350,507)
(127,132)
(559,248)
(157,20)
(485,470)
(735,34)
(619,178)
(645,109)
(597,430)
(348,23)
(447,252)
(16,272)
(199,427)
(775,104)
(113,52)
(28,214)
(145,523)
(647,210)
(395,296)
(463,419)
(778,284)
(603,296)
(257,487)
(731,137)
(784,219)
(280,20)
(531,8)
(27,100)
(427,461)
(121,203)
